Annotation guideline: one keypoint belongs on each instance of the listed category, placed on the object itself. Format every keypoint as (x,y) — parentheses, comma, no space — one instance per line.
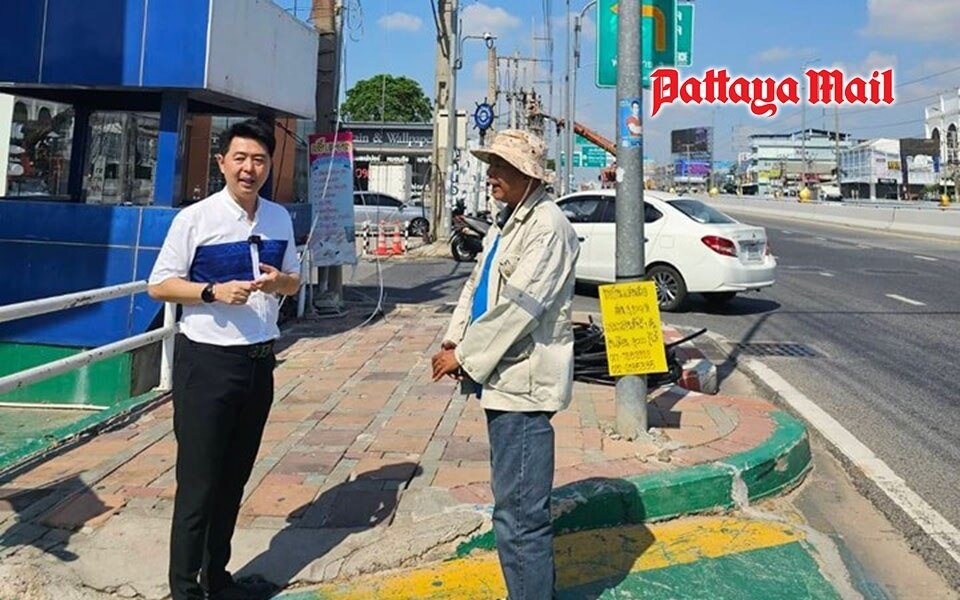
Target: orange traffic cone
(382,242)
(397,241)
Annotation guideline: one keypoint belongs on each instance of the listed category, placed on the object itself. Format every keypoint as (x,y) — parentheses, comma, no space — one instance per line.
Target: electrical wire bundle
(590,358)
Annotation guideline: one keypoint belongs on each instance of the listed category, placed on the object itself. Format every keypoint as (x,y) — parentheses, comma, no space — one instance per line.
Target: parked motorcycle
(468,233)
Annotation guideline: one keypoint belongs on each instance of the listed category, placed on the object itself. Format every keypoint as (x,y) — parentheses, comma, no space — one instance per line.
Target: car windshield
(700,212)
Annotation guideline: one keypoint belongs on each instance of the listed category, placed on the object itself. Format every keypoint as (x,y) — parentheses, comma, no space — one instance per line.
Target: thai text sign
(331,194)
(631,324)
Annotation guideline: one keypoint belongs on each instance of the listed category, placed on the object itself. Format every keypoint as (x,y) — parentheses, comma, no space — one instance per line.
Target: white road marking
(926,258)
(924,515)
(825,274)
(864,247)
(787,232)
(907,300)
(822,239)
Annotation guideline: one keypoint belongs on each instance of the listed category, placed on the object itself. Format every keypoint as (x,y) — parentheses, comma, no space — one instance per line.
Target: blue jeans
(521,461)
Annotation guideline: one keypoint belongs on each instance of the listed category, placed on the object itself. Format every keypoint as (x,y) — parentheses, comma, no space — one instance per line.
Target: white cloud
(930,20)
(481,18)
(781,54)
(400,21)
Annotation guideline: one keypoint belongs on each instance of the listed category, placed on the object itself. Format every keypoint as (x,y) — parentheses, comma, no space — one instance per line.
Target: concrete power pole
(324,16)
(631,391)
(444,92)
(492,84)
(836,139)
(452,163)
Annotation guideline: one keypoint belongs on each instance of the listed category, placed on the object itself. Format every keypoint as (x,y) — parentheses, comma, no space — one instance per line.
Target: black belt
(261,350)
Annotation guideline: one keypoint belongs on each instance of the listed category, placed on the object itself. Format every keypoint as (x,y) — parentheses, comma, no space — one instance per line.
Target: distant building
(872,169)
(941,122)
(775,161)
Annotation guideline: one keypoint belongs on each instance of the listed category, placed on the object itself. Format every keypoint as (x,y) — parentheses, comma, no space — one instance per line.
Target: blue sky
(749,37)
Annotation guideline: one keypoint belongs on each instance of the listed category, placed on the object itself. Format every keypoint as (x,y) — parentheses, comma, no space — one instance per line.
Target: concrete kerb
(776,465)
(63,437)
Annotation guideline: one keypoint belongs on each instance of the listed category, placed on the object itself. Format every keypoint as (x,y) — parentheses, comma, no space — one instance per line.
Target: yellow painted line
(582,558)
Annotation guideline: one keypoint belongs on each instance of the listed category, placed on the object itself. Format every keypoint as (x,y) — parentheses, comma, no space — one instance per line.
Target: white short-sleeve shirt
(213,241)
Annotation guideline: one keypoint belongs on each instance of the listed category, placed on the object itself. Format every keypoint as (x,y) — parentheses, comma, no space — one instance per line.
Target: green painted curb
(61,435)
(779,463)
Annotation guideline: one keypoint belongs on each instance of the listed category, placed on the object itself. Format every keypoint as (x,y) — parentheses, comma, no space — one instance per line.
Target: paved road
(881,312)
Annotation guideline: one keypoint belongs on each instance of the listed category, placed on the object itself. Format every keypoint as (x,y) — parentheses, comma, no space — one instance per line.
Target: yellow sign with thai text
(631,325)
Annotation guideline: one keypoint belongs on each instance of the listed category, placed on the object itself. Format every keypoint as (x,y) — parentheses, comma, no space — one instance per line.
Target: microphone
(255,243)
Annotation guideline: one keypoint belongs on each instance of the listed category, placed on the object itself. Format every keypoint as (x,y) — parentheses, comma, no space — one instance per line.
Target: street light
(456,63)
(573,63)
(803,126)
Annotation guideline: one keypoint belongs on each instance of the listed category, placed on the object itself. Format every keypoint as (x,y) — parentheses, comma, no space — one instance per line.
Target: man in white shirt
(226,259)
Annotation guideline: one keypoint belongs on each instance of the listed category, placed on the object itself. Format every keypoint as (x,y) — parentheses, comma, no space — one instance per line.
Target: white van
(829,191)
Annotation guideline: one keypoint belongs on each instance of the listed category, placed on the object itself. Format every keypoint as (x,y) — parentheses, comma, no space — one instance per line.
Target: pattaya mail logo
(765,95)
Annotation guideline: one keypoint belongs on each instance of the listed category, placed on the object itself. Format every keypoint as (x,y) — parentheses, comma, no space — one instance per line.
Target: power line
(926,77)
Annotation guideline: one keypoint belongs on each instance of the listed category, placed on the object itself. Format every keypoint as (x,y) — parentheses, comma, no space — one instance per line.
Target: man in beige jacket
(512,336)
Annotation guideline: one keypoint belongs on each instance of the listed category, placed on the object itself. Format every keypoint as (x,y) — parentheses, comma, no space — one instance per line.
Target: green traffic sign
(658,43)
(685,35)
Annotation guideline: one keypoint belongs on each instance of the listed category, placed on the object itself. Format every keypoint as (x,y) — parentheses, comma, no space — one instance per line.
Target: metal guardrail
(43,306)
(166,333)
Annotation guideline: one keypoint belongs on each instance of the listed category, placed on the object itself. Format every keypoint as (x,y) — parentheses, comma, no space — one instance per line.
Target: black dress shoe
(257,589)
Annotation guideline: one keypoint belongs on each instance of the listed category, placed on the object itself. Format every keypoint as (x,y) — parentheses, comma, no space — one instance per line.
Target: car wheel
(671,289)
(719,297)
(460,248)
(419,227)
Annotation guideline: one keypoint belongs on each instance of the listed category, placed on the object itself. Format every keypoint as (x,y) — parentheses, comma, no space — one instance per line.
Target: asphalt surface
(884,367)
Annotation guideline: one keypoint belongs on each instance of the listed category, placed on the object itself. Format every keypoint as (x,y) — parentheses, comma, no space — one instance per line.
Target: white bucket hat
(523,150)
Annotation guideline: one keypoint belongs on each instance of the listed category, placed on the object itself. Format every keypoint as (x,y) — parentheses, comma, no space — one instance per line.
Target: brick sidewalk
(365,464)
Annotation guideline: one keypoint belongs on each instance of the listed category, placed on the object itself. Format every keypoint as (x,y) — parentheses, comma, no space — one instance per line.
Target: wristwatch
(207,294)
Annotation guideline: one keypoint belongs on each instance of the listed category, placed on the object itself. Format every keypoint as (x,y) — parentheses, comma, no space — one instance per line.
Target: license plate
(753,252)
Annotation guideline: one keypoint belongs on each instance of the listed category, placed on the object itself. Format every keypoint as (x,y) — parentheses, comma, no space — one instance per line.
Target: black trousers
(221,400)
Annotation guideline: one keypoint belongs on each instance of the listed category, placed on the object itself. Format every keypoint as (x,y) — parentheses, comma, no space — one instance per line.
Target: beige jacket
(521,349)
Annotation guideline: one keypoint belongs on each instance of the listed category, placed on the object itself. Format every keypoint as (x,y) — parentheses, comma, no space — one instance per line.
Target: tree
(388,98)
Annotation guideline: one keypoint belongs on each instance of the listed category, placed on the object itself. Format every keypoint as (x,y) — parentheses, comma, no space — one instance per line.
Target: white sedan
(689,247)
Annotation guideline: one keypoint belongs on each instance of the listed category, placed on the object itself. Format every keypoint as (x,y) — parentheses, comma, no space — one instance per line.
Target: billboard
(920,161)
(691,171)
(694,142)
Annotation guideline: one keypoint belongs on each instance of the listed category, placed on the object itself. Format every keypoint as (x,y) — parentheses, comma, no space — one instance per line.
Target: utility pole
(567,171)
(451,164)
(571,116)
(323,13)
(492,82)
(631,391)
(513,90)
(444,100)
(836,139)
(803,136)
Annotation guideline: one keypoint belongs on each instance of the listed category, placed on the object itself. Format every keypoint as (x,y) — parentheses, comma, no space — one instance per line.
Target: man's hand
(445,363)
(233,292)
(271,281)
(448,345)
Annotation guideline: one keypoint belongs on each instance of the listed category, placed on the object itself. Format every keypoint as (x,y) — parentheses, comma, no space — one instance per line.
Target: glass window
(583,209)
(121,158)
(41,135)
(650,214)
(700,212)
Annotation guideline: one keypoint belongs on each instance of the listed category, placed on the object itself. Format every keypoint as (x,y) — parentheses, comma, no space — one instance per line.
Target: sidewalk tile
(396,442)
(458,450)
(307,463)
(86,509)
(413,423)
(330,438)
(449,477)
(279,500)
(383,469)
